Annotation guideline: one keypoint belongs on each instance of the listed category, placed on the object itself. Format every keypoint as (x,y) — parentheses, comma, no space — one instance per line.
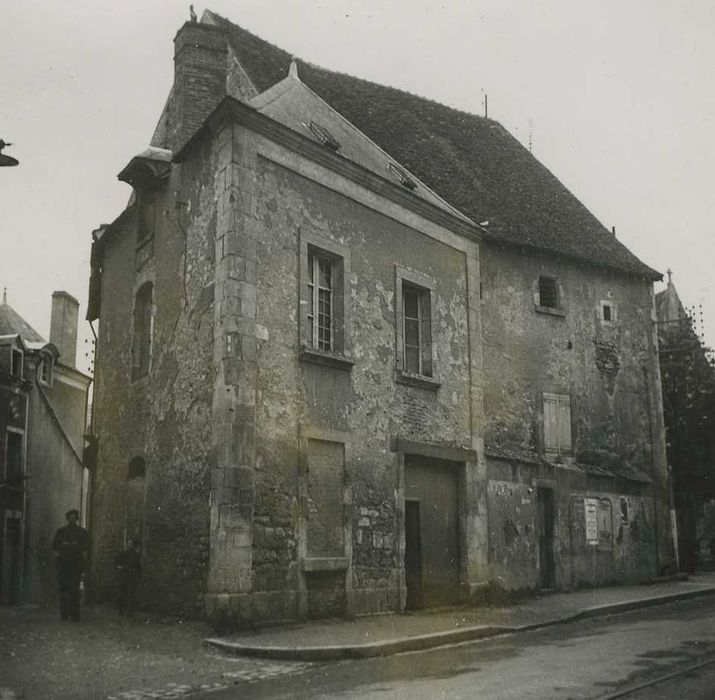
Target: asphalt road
(589,659)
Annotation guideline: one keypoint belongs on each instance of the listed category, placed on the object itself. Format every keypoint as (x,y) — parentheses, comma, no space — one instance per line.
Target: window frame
(316,247)
(607,303)
(46,361)
(560,400)
(21,433)
(16,351)
(558,309)
(140,370)
(425,286)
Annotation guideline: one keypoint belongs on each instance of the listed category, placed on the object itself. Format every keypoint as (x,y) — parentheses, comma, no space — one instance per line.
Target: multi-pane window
(321,285)
(416,330)
(557,423)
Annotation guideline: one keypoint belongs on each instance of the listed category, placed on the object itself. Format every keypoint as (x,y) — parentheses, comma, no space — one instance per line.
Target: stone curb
(437,639)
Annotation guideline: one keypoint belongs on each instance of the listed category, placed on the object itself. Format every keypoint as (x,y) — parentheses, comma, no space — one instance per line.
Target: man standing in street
(71,545)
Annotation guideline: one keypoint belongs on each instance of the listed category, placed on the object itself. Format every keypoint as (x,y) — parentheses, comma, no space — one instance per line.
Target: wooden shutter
(551,423)
(564,403)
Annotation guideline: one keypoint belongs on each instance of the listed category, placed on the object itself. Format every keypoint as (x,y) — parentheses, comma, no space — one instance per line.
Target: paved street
(107,657)
(576,661)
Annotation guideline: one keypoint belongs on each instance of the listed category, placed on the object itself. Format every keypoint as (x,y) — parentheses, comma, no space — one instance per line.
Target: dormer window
(402,176)
(323,135)
(45,370)
(17,361)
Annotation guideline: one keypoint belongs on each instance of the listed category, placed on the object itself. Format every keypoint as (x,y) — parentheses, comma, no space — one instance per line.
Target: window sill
(549,311)
(327,359)
(324,564)
(418,380)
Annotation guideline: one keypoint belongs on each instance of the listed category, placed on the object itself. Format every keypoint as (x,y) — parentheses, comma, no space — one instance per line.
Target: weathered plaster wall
(611,375)
(607,369)
(626,553)
(55,478)
(166,416)
(280,397)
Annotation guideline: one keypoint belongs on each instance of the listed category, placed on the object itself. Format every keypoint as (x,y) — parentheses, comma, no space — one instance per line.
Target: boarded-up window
(141,341)
(557,423)
(326,475)
(147,216)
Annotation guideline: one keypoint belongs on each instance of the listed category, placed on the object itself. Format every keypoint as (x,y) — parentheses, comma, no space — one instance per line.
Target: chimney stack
(63,326)
(200,72)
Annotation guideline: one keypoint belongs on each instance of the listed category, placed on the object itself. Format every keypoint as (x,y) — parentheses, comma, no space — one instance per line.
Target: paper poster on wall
(590,506)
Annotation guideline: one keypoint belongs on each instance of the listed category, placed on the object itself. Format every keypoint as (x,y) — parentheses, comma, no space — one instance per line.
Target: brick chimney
(200,70)
(63,326)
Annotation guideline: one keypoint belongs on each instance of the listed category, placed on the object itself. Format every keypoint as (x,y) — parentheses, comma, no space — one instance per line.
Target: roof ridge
(461,156)
(318,67)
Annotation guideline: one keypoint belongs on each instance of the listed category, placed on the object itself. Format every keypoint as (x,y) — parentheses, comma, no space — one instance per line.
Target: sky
(617,98)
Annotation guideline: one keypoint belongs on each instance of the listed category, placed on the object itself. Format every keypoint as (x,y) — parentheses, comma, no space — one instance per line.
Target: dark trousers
(128,584)
(68,578)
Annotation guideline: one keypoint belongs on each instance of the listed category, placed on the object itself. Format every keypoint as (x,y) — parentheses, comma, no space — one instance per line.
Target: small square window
(548,292)
(607,313)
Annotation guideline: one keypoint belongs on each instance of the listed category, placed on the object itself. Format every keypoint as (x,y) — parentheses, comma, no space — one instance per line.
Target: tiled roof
(470,161)
(11,323)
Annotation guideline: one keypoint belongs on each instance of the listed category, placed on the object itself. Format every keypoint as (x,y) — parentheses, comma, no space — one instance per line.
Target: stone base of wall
(236,611)
(374,601)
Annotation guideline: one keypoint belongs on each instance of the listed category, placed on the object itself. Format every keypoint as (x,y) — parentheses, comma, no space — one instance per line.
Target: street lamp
(6,160)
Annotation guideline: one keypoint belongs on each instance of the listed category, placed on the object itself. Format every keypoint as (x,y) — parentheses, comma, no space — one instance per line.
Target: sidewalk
(391,634)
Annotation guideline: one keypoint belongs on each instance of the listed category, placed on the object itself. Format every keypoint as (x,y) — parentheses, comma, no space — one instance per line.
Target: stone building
(42,423)
(323,388)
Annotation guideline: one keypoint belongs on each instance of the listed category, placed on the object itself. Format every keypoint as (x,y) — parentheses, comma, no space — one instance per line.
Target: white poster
(590,506)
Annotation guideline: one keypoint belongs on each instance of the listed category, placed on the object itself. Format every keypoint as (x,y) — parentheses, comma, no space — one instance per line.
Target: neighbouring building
(43,400)
(323,388)
(689,410)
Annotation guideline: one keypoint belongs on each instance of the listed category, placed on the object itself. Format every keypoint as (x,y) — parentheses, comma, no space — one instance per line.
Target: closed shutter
(551,423)
(564,403)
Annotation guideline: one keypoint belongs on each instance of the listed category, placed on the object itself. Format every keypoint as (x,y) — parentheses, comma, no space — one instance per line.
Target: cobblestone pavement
(108,657)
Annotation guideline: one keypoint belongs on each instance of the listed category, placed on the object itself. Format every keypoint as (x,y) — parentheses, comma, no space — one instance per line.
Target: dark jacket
(71,544)
(129,563)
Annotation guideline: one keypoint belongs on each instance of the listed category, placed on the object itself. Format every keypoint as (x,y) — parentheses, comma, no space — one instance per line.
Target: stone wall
(286,399)
(609,370)
(165,417)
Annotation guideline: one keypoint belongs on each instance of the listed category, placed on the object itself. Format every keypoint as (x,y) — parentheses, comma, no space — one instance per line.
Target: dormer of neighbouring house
(12,356)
